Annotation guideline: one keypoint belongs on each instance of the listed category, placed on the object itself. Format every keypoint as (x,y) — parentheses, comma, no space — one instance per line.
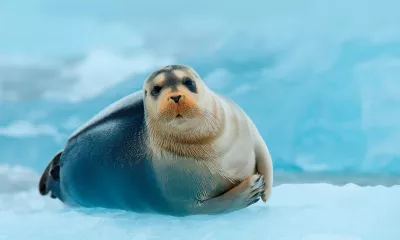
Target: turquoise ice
(319,78)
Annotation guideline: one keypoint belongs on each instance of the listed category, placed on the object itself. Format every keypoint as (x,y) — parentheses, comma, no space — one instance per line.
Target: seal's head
(177,102)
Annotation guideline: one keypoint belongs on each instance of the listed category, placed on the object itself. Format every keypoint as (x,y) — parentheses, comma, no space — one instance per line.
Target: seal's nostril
(176,98)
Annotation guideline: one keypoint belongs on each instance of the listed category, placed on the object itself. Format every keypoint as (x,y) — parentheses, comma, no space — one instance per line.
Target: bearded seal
(175,147)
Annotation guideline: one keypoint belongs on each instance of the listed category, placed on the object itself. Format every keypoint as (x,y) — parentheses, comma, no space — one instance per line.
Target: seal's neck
(194,140)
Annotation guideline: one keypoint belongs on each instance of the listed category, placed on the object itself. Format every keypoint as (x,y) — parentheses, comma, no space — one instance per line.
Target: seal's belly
(185,181)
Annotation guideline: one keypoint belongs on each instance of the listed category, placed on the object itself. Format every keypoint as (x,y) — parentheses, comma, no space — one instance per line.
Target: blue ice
(320,79)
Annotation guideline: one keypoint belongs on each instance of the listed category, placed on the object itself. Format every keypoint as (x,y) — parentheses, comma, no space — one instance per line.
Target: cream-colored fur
(229,150)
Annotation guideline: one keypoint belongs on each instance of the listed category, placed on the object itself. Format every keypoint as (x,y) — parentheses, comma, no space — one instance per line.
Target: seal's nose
(176,98)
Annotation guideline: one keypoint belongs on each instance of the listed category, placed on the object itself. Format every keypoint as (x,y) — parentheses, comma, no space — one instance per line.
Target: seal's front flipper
(245,194)
(50,176)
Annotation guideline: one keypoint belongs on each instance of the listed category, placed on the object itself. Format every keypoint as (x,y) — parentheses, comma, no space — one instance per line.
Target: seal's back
(105,162)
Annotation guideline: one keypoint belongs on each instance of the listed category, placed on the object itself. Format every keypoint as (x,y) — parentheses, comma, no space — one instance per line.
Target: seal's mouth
(177,120)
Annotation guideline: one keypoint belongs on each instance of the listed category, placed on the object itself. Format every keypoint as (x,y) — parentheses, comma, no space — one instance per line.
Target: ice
(295,211)
(319,78)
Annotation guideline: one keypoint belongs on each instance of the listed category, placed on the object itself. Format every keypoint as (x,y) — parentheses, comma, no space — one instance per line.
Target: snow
(295,211)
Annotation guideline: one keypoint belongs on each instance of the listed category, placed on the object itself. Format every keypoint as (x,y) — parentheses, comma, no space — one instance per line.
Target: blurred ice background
(319,78)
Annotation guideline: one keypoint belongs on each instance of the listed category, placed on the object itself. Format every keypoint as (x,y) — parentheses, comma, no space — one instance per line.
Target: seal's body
(174,148)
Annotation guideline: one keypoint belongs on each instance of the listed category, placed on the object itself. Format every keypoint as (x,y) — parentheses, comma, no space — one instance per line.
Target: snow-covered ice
(295,211)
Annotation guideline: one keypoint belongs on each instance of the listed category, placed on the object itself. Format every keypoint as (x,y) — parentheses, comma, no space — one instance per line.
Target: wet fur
(174,165)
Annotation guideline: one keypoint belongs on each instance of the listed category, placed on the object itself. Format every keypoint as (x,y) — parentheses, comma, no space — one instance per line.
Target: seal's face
(181,115)
(173,96)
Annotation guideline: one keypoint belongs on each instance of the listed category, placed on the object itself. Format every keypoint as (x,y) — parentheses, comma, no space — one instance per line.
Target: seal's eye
(190,84)
(156,90)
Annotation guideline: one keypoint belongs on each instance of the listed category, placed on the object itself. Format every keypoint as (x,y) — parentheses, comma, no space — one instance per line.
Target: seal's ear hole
(145,92)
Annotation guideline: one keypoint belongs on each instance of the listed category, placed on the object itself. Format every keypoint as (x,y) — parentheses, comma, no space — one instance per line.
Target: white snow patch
(299,211)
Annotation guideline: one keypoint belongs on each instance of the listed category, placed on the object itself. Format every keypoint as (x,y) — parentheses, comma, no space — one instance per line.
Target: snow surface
(295,211)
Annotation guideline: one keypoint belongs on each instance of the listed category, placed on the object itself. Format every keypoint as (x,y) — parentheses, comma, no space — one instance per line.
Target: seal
(175,147)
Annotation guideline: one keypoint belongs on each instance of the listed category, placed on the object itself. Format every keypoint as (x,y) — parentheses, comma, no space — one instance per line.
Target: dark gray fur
(170,79)
(105,163)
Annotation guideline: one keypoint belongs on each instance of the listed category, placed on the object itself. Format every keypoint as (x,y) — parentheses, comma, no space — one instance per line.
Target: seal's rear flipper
(50,175)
